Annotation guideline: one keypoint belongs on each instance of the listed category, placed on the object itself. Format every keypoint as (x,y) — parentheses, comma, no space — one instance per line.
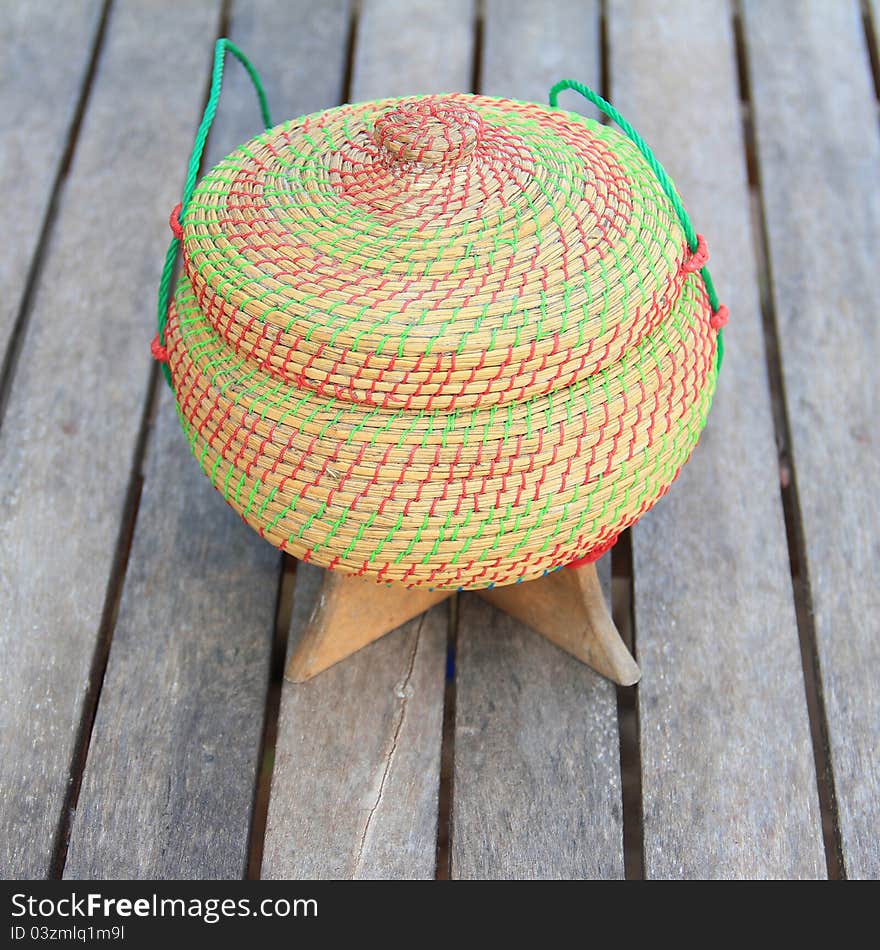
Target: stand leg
(350,613)
(568,608)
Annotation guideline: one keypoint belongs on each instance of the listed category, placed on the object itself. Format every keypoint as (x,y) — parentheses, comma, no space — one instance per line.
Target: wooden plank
(177,738)
(169,783)
(728,782)
(412,46)
(820,166)
(71,426)
(530,46)
(537,763)
(355,787)
(299,49)
(537,768)
(354,793)
(45,50)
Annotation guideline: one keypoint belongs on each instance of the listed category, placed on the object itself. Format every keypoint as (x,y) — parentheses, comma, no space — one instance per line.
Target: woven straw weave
(449,341)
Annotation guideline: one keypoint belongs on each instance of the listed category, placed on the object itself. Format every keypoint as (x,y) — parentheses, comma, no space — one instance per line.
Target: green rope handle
(221,48)
(604,106)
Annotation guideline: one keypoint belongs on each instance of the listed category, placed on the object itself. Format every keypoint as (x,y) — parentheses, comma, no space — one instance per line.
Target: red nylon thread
(335,355)
(247,210)
(697,261)
(720,317)
(160,353)
(174,221)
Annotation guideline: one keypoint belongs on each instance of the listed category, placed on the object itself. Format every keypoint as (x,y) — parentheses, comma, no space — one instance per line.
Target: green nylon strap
(604,106)
(221,48)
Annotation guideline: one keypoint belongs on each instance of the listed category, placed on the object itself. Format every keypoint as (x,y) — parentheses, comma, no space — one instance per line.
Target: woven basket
(450,341)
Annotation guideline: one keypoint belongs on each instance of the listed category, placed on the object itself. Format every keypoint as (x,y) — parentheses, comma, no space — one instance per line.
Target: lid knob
(430,131)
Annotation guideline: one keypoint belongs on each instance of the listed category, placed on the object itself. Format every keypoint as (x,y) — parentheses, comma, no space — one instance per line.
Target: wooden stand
(567,607)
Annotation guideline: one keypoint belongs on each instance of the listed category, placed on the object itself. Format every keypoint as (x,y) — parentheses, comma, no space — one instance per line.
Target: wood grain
(169,783)
(406,47)
(819,153)
(537,775)
(71,426)
(45,49)
(529,46)
(177,738)
(537,768)
(354,792)
(299,49)
(728,780)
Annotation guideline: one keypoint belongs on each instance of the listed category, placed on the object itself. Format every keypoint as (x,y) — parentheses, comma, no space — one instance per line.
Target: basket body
(444,341)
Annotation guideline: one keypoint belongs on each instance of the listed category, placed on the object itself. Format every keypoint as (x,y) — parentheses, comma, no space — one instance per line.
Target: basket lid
(445,341)
(434,252)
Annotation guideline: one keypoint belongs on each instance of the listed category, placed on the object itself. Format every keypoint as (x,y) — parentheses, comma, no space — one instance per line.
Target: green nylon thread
(197,332)
(340,520)
(604,106)
(221,48)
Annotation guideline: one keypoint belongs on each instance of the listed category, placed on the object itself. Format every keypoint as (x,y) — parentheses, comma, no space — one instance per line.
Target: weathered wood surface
(527,47)
(569,608)
(404,47)
(537,761)
(819,154)
(178,751)
(299,49)
(45,50)
(727,773)
(357,763)
(355,787)
(728,779)
(169,782)
(71,426)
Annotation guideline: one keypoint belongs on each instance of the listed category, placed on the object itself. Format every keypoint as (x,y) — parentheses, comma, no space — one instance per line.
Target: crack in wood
(404,695)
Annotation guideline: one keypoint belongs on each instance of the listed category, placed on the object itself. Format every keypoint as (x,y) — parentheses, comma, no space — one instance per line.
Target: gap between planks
(872,41)
(128,521)
(101,654)
(286,585)
(266,759)
(35,270)
(623,613)
(446,792)
(787,478)
(125,536)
